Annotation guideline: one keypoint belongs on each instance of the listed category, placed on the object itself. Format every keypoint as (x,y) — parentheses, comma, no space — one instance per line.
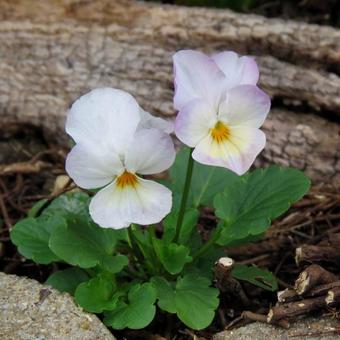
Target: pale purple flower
(220,108)
(116,141)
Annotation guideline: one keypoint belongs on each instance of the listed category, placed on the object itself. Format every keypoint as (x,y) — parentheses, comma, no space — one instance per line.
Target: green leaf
(97,295)
(143,239)
(192,299)
(196,301)
(248,239)
(67,280)
(114,264)
(36,208)
(189,223)
(32,235)
(137,312)
(258,277)
(172,256)
(83,244)
(72,206)
(248,205)
(165,294)
(206,182)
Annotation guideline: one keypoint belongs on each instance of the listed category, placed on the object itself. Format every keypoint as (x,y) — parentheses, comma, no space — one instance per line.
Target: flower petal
(146,203)
(151,151)
(237,70)
(251,73)
(194,122)
(105,115)
(92,167)
(237,153)
(245,105)
(196,76)
(149,121)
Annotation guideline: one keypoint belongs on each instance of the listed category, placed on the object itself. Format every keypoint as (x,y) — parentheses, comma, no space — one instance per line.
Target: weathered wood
(312,276)
(53,51)
(293,309)
(226,283)
(179,27)
(318,254)
(333,297)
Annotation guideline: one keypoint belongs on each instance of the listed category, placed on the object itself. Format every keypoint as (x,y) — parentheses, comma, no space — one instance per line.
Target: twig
(293,309)
(5,215)
(24,168)
(226,282)
(255,259)
(333,297)
(312,276)
(317,254)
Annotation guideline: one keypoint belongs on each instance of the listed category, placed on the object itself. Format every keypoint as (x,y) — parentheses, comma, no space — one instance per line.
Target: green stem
(185,195)
(134,273)
(206,247)
(153,239)
(134,246)
(142,254)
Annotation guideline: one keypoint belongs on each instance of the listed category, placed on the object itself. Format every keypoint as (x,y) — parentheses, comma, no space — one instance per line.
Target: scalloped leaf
(248,205)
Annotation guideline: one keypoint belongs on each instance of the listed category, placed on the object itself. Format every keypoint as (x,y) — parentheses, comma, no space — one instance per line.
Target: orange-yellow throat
(127,179)
(220,132)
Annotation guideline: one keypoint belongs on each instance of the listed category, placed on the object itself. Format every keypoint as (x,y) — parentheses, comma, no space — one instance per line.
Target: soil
(310,221)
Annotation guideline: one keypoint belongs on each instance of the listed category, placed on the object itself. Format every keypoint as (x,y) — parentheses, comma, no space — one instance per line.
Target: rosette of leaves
(125,274)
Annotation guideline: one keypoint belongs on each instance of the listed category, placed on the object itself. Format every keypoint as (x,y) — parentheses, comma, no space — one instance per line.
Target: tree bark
(178,27)
(51,52)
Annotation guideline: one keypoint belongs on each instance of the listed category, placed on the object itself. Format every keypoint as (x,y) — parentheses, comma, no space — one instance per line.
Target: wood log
(323,289)
(333,297)
(51,53)
(293,309)
(318,254)
(226,283)
(287,295)
(312,276)
(179,27)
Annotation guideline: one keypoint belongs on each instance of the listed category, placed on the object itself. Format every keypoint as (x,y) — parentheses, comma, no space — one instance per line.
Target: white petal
(245,105)
(250,74)
(196,76)
(237,70)
(151,151)
(236,154)
(92,167)
(107,116)
(194,122)
(147,203)
(149,121)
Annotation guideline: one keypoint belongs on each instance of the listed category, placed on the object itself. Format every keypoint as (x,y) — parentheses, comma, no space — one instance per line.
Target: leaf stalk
(185,195)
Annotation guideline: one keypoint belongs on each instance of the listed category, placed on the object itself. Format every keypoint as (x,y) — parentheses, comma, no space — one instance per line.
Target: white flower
(220,108)
(116,141)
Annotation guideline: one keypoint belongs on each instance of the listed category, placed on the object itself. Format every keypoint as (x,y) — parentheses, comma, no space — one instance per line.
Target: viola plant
(129,245)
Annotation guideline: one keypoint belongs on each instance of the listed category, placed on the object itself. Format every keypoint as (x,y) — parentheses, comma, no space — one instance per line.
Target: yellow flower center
(127,179)
(220,132)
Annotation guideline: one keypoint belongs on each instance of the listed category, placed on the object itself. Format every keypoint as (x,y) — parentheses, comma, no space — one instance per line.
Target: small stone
(30,310)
